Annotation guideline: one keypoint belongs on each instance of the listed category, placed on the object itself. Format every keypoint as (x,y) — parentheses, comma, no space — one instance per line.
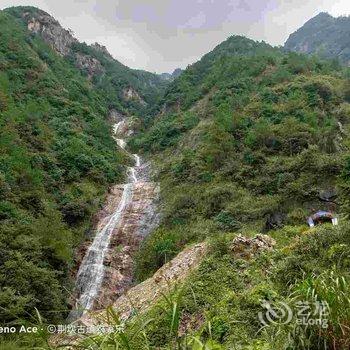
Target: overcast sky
(161,35)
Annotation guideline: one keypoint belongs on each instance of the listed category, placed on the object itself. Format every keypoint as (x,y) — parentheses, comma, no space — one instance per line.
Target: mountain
(324,35)
(245,145)
(249,142)
(171,76)
(57,155)
(126,90)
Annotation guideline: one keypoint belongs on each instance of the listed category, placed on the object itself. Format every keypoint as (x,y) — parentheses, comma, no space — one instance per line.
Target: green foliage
(270,132)
(265,138)
(57,158)
(331,41)
(333,290)
(107,75)
(115,77)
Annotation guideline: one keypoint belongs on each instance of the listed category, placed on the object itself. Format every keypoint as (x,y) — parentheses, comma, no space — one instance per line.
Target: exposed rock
(131,94)
(137,222)
(50,30)
(116,116)
(102,49)
(99,220)
(89,64)
(328,195)
(177,72)
(139,298)
(274,221)
(125,125)
(245,248)
(171,76)
(324,35)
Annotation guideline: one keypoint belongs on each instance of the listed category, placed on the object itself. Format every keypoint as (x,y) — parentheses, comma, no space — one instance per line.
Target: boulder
(274,221)
(245,248)
(328,195)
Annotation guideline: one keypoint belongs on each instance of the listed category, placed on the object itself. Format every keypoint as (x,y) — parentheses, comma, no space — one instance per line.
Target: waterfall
(91,272)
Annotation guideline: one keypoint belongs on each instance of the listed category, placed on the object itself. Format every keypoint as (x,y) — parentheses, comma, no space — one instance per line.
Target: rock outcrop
(51,31)
(245,248)
(138,221)
(90,65)
(324,35)
(130,93)
(119,83)
(142,296)
(102,49)
(171,76)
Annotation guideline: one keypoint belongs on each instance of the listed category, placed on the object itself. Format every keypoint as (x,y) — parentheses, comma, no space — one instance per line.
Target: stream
(102,270)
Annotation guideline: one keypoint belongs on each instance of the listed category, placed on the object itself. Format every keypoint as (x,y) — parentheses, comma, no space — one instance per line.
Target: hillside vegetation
(251,139)
(57,158)
(324,35)
(106,74)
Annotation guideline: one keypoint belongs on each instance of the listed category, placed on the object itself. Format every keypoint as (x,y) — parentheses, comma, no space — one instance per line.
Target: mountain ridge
(96,63)
(324,35)
(250,139)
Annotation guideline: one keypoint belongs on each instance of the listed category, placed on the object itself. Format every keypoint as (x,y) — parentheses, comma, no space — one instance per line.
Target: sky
(161,35)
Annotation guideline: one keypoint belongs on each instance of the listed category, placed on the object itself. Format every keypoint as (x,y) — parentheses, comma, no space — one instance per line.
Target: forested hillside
(324,35)
(126,90)
(252,140)
(246,143)
(57,158)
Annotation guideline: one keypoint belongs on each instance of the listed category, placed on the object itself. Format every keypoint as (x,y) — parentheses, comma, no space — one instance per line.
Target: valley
(173,206)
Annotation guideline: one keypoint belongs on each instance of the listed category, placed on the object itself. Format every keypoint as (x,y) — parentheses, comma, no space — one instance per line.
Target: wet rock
(126,124)
(115,116)
(245,248)
(138,220)
(139,298)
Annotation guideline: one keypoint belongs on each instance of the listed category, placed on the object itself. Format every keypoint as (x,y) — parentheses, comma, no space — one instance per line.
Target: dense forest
(249,140)
(57,160)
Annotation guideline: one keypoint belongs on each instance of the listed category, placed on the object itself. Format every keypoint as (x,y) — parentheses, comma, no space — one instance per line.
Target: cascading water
(92,269)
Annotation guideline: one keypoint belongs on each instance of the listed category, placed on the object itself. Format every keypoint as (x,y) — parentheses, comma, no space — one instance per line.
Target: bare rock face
(126,125)
(115,116)
(50,30)
(142,296)
(138,220)
(101,48)
(89,64)
(323,35)
(131,94)
(245,248)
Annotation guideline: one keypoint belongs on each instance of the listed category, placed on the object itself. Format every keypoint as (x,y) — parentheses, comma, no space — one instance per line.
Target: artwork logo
(278,312)
(305,313)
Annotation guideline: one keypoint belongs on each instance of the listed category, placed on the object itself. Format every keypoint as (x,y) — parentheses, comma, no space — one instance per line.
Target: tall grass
(326,327)
(333,290)
(135,337)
